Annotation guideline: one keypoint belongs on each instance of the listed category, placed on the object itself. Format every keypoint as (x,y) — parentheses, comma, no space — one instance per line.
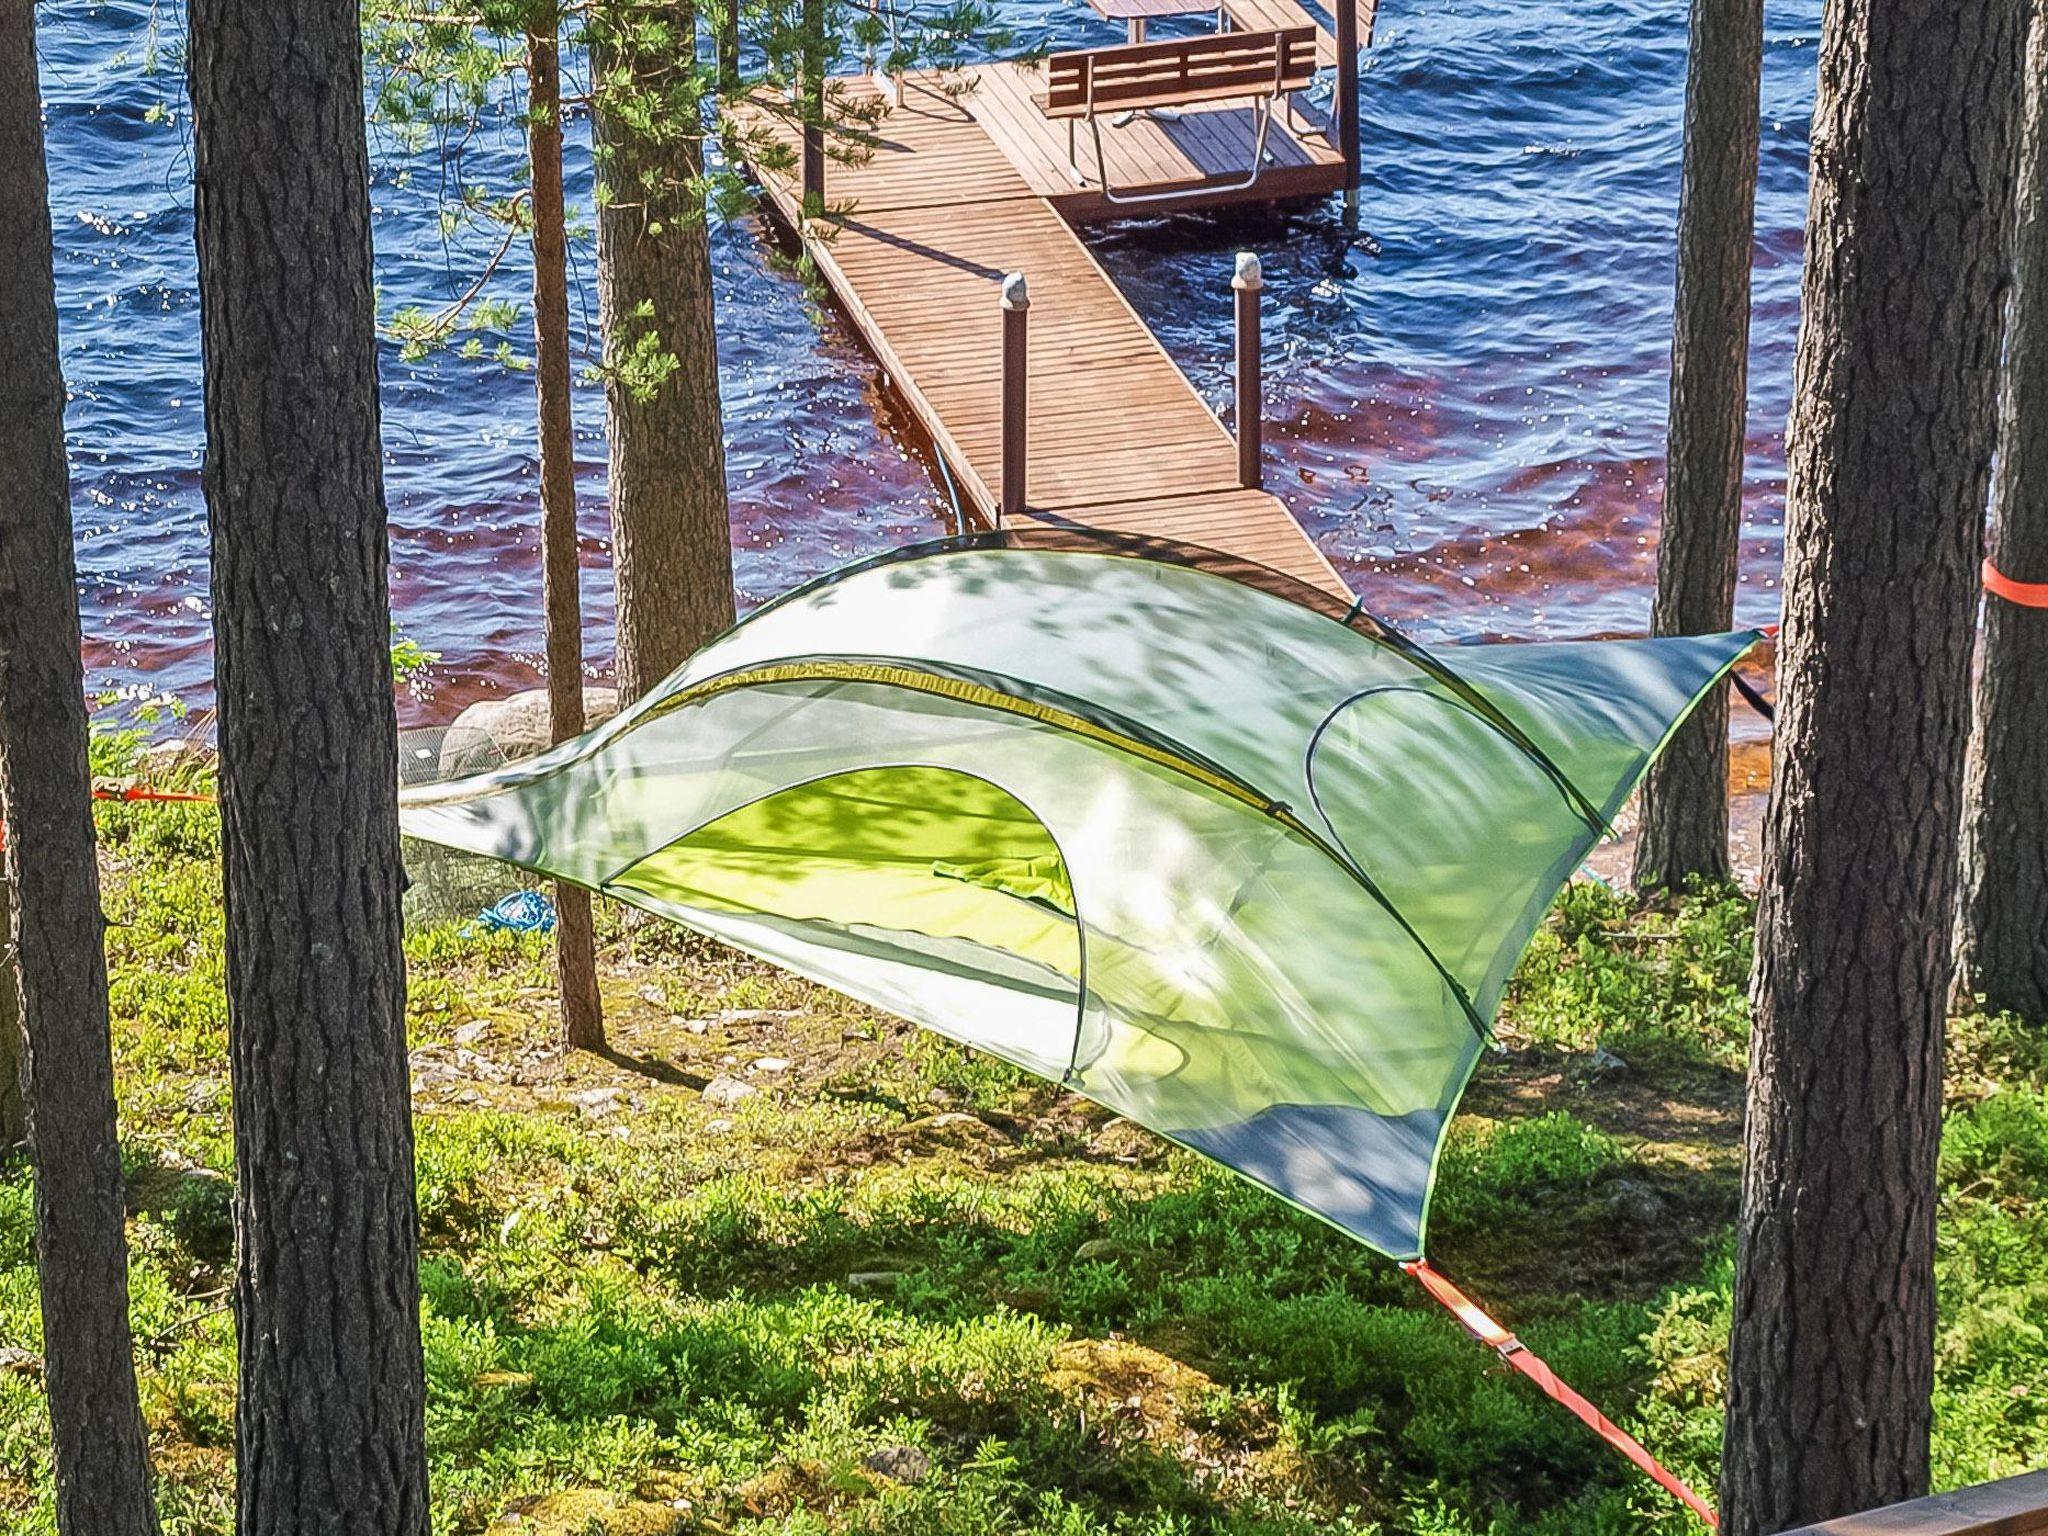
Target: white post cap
(1249,273)
(1015,294)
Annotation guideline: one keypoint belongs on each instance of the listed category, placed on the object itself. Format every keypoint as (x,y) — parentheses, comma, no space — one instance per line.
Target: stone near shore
(493,732)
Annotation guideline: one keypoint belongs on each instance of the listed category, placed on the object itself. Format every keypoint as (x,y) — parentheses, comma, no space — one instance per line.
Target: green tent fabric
(1244,866)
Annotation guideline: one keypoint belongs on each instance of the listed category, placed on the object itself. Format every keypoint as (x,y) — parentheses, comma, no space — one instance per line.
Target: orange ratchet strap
(136,792)
(1516,1353)
(168,796)
(2027,594)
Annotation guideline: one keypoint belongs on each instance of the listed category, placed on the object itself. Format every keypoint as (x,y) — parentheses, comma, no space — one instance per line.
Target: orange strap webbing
(136,792)
(167,796)
(1516,1353)
(2028,594)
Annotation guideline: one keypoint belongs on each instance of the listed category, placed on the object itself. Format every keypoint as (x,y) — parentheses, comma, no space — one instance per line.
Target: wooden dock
(967,181)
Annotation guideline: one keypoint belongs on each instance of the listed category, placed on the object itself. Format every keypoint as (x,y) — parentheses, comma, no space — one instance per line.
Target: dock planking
(966,182)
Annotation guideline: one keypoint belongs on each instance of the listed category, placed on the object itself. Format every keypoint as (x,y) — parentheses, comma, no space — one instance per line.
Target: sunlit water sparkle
(1465,408)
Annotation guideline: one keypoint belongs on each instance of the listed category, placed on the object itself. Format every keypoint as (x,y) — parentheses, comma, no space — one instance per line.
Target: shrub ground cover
(873,1283)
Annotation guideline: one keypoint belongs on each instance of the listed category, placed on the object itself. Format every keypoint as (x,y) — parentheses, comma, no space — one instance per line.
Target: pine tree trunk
(671,542)
(329,1413)
(2003,934)
(1684,831)
(1888,455)
(57,931)
(575,939)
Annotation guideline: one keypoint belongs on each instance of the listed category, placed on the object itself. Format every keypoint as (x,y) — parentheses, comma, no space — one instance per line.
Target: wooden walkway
(958,192)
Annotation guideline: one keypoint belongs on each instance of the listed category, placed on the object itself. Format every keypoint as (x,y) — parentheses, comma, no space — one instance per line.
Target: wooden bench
(1265,68)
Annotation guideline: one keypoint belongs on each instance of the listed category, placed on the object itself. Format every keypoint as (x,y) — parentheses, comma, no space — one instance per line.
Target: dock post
(1346,105)
(1016,328)
(1246,283)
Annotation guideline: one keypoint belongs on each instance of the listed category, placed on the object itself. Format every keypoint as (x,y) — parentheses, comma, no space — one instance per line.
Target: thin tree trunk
(575,938)
(1684,831)
(671,542)
(329,1412)
(2003,934)
(1888,455)
(57,930)
(725,15)
(811,92)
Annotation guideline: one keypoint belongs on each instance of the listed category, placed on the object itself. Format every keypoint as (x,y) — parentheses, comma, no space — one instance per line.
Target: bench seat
(1179,72)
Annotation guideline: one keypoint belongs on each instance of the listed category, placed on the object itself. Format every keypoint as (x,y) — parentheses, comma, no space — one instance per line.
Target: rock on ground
(725,1090)
(904,1463)
(492,732)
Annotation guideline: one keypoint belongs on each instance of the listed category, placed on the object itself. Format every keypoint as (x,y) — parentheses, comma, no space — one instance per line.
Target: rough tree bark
(57,933)
(2002,948)
(575,937)
(329,1412)
(13,1106)
(671,542)
(1684,829)
(1888,454)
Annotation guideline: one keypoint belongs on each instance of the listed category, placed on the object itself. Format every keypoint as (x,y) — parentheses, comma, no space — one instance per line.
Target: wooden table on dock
(1134,14)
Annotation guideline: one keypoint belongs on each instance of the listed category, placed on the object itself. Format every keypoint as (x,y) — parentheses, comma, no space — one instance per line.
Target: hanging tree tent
(1251,874)
(1238,863)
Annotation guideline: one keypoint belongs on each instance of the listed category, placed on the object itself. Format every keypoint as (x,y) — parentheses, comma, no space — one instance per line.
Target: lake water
(1466,406)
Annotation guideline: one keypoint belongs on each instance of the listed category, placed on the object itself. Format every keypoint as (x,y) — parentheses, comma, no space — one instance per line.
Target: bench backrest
(1180,71)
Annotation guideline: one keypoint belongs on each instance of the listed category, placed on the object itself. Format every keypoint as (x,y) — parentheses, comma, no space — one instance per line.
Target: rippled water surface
(1467,404)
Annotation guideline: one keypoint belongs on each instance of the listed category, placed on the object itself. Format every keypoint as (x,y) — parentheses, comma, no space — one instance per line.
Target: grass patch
(902,1288)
